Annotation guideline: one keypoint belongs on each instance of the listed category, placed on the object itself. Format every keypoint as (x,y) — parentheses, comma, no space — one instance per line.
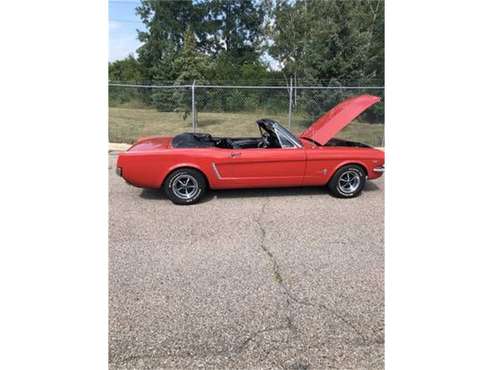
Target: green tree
(189,65)
(337,42)
(199,40)
(229,31)
(166,23)
(338,39)
(237,27)
(125,70)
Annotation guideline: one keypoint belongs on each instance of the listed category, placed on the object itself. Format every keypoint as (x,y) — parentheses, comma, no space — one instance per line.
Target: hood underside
(328,125)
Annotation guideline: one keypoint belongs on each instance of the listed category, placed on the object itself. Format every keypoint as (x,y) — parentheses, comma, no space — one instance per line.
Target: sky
(123,24)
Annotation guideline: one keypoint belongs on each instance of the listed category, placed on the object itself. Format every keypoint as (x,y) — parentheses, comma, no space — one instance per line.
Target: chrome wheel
(185,186)
(349,182)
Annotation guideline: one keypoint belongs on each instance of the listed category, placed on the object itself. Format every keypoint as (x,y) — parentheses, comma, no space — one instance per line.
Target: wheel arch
(185,166)
(348,163)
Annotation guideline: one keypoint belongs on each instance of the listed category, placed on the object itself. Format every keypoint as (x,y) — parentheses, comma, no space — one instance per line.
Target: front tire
(347,182)
(185,186)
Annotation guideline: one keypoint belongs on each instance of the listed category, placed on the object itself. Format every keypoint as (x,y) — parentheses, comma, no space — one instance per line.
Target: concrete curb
(118,147)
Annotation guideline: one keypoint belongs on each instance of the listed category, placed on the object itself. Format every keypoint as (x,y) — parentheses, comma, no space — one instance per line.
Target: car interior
(267,139)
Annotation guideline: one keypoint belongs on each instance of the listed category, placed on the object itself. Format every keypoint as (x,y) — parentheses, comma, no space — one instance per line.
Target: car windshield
(286,133)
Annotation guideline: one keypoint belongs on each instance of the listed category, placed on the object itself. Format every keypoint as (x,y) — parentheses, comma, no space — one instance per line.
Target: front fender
(348,162)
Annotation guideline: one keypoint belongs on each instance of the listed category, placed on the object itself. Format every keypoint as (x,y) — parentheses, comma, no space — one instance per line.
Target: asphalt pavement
(246,279)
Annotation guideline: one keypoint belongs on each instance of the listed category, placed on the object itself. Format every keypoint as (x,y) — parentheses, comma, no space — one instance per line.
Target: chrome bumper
(380,169)
(118,171)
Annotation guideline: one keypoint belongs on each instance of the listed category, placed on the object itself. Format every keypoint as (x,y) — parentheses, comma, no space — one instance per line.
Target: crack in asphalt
(278,277)
(252,336)
(289,322)
(275,269)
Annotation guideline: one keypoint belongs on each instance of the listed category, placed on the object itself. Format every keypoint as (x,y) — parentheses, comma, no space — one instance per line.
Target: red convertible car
(186,165)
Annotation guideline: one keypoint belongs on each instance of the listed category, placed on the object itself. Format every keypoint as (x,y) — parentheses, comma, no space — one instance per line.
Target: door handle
(235,155)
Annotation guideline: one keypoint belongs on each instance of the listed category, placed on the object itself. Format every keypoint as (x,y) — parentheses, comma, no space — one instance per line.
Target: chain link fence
(229,110)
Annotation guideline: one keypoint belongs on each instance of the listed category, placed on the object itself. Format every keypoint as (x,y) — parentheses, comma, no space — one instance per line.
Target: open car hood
(328,125)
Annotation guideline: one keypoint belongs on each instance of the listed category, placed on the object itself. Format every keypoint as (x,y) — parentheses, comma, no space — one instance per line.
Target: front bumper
(118,171)
(380,169)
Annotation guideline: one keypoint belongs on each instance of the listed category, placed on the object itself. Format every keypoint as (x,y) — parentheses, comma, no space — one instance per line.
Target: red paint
(150,160)
(328,125)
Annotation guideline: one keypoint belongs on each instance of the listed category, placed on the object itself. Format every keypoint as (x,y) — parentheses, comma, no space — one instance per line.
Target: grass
(128,124)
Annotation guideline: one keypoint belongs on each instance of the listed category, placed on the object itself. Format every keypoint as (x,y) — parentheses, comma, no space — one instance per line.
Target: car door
(269,167)
(222,163)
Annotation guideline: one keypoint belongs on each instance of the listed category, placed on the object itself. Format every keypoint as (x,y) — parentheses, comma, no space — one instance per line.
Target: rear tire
(185,186)
(348,181)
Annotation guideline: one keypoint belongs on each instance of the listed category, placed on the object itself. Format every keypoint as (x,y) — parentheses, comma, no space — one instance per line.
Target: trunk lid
(329,124)
(151,143)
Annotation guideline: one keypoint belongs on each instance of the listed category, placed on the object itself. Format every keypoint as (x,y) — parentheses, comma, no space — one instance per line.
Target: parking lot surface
(246,279)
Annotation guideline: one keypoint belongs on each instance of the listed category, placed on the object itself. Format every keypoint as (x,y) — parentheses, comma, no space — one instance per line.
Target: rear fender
(186,165)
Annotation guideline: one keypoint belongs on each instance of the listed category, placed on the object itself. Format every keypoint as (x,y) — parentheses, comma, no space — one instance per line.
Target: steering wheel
(265,143)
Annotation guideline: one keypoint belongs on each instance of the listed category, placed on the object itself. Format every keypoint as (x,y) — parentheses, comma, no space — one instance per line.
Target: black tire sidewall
(333,183)
(168,184)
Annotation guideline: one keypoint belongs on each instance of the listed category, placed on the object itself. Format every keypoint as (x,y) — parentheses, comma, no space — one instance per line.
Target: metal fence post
(194,123)
(290,101)
(193,107)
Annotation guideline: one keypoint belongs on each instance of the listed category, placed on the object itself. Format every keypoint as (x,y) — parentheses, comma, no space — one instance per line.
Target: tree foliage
(324,42)
(125,70)
(189,65)
(237,28)
(128,69)
(227,31)
(337,43)
(338,40)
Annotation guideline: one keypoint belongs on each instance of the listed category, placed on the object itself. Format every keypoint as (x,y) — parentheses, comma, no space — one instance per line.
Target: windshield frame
(280,130)
(275,128)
